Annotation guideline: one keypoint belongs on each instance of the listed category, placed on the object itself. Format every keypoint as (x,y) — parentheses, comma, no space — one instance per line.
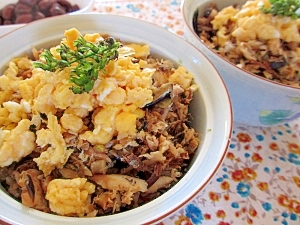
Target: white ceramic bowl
(84,5)
(211,110)
(256,101)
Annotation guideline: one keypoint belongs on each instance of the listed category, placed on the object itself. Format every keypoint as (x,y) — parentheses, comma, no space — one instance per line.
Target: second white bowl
(256,101)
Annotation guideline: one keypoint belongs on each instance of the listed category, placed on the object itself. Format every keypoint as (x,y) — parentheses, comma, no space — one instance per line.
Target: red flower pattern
(221,214)
(230,155)
(249,173)
(237,175)
(207,216)
(213,196)
(223,223)
(294,148)
(256,158)
(243,137)
(225,185)
(273,146)
(296,180)
(263,186)
(252,212)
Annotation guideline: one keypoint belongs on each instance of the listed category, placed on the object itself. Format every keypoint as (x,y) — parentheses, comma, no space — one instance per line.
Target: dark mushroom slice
(278,64)
(32,194)
(160,94)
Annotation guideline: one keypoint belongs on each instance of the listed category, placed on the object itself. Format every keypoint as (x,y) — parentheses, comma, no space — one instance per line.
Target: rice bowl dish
(205,118)
(114,143)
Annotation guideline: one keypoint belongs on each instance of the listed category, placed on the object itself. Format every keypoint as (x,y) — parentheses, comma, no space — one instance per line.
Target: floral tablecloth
(259,181)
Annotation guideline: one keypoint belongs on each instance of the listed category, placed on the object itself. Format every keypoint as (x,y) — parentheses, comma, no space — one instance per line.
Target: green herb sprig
(286,8)
(90,58)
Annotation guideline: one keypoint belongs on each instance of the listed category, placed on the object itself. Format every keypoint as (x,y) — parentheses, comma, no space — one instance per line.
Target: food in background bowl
(252,38)
(256,53)
(210,112)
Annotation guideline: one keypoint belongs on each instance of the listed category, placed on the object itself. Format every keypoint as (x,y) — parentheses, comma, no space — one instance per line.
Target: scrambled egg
(104,126)
(72,123)
(182,77)
(56,154)
(17,143)
(70,197)
(116,100)
(252,24)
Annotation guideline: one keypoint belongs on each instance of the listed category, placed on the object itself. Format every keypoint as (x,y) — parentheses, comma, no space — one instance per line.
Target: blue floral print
(243,189)
(194,214)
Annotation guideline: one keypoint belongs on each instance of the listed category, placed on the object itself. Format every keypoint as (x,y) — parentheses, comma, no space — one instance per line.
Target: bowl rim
(88,7)
(228,125)
(183,8)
